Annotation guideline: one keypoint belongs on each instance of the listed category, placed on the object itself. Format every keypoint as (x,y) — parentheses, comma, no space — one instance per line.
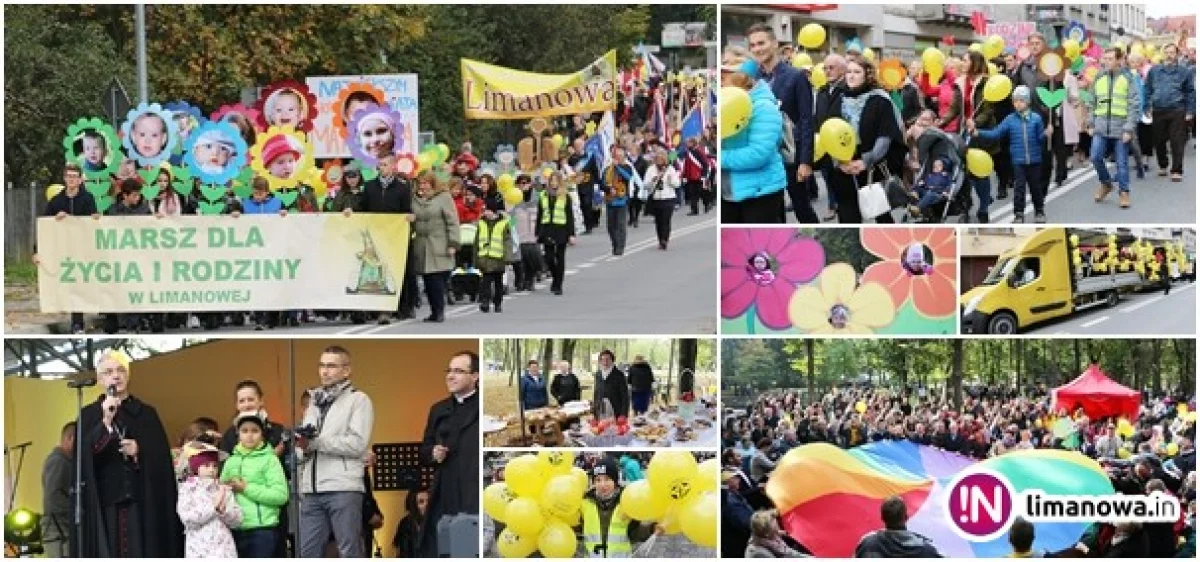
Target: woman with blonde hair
(435,240)
(766,541)
(661,182)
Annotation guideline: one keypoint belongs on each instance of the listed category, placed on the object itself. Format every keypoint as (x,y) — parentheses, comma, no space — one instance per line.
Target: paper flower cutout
(216,153)
(836,304)
(762,267)
(287,103)
(247,120)
(375,131)
(149,134)
(1051,65)
(93,144)
(505,155)
(331,175)
(892,74)
(933,294)
(187,117)
(350,99)
(283,156)
(406,165)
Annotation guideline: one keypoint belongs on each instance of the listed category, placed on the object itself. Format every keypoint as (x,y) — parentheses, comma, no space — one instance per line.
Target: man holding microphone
(451,445)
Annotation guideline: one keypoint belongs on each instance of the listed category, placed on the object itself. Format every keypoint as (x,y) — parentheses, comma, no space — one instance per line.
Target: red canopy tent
(1098,395)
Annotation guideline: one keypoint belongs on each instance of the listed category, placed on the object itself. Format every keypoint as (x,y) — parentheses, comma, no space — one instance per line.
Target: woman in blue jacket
(752,173)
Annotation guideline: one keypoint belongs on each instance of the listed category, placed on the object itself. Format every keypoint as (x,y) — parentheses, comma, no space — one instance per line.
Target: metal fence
(22,206)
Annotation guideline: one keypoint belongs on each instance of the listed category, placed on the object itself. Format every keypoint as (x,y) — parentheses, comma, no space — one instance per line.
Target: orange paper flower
(932,289)
(892,74)
(354,91)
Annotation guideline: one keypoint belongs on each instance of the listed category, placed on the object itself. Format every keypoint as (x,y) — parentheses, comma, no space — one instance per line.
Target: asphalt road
(1156,200)
(646,291)
(1144,313)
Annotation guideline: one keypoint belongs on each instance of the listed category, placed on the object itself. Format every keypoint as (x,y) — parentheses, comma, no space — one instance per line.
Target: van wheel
(1112,299)
(1003,323)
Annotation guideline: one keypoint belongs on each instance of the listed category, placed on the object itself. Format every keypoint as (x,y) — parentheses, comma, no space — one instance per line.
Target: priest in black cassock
(129,487)
(451,445)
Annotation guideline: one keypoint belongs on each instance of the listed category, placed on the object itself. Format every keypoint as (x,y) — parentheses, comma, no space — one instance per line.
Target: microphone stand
(12,496)
(77,523)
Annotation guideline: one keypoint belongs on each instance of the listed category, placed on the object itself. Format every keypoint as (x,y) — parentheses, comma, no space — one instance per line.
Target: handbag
(878,198)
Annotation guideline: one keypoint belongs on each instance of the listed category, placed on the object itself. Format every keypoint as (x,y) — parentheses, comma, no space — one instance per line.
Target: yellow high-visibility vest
(1112,96)
(618,545)
(556,215)
(490,243)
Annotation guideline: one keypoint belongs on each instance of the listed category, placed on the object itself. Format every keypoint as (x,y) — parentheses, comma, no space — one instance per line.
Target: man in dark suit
(451,445)
(390,194)
(612,385)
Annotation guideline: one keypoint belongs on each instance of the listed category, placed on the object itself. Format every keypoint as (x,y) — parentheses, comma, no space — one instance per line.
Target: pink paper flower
(762,267)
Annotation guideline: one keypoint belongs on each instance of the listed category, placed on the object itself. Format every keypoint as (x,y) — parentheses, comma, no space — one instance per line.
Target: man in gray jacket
(57,476)
(332,444)
(1114,115)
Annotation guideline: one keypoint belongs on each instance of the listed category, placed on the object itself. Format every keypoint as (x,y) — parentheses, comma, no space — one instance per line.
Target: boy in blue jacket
(1025,132)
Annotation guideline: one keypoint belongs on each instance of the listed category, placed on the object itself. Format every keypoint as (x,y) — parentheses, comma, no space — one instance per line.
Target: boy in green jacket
(257,479)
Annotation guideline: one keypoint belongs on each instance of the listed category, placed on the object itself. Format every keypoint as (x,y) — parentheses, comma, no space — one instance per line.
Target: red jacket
(694,163)
(468,213)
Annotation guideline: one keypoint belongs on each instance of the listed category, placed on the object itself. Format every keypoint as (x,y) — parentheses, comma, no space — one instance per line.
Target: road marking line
(570,272)
(1073,181)
(586,265)
(1142,304)
(1093,322)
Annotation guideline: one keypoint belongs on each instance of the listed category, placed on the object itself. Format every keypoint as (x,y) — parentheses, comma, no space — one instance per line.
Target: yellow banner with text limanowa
(496,92)
(222,263)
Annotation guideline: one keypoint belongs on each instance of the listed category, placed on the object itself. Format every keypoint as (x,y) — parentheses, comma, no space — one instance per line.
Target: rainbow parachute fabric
(829,497)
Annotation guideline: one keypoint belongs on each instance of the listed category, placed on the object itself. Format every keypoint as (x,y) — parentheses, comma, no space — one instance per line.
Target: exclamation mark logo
(979,505)
(963,497)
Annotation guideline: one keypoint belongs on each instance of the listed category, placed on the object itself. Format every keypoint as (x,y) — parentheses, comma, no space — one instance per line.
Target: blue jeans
(1100,146)
(929,199)
(256,543)
(1028,175)
(983,190)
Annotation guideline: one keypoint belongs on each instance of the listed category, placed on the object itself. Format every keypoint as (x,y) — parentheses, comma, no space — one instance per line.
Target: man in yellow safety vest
(555,230)
(1112,122)
(607,532)
(493,251)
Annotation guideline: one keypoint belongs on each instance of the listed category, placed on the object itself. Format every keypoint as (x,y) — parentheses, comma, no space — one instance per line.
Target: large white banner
(222,263)
(401,93)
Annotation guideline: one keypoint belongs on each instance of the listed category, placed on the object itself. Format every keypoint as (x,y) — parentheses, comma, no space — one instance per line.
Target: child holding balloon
(1026,134)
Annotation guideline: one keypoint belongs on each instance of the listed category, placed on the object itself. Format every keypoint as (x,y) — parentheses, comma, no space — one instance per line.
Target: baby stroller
(464,280)
(932,145)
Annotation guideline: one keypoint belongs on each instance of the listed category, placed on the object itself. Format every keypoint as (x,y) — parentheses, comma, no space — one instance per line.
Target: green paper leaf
(181,173)
(184,188)
(1087,97)
(321,203)
(97,188)
(287,197)
(148,176)
(207,208)
(1078,64)
(212,192)
(246,175)
(1052,99)
(150,192)
(242,190)
(103,203)
(368,173)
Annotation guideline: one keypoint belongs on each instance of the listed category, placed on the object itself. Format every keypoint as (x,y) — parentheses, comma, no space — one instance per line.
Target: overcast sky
(1160,9)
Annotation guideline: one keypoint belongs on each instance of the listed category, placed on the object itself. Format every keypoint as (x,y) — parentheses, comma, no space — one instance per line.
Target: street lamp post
(140,31)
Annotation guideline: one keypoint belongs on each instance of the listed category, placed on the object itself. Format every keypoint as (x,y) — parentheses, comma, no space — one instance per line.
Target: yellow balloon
(811,36)
(993,69)
(557,141)
(1123,453)
(818,148)
(496,498)
(869,54)
(801,60)
(581,478)
(839,139)
(1071,49)
(993,46)
(860,407)
(979,163)
(425,161)
(524,517)
(932,56)
(976,47)
(555,461)
(670,520)
(589,129)
(560,496)
(571,519)
(817,77)
(524,477)
(512,545)
(505,181)
(512,197)
(735,110)
(997,88)
(708,475)
(935,71)
(640,502)
(53,189)
(557,540)
(671,472)
(1157,58)
(698,519)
